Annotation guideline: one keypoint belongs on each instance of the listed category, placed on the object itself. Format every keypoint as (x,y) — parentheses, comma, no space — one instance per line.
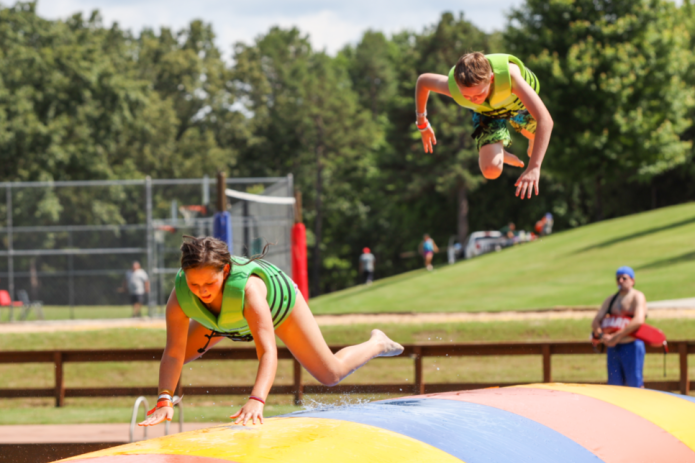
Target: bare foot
(389,348)
(512,160)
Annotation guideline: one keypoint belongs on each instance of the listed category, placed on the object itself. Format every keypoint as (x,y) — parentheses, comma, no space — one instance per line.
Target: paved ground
(82,433)
(678,308)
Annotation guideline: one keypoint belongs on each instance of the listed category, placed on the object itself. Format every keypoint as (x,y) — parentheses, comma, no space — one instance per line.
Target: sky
(330,24)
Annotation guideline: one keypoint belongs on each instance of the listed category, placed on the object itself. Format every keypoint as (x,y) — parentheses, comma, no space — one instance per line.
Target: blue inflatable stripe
(471,432)
(684,397)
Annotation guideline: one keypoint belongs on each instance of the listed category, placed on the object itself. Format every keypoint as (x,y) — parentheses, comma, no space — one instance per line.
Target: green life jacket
(501,103)
(231,322)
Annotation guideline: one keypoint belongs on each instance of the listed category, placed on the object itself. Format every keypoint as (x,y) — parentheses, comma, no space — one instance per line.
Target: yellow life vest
(501,103)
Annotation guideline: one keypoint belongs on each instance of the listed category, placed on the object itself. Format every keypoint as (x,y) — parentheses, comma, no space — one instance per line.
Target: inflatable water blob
(539,423)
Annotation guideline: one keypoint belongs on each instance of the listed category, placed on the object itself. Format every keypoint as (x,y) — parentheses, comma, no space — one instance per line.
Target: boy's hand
(249,412)
(528,182)
(428,139)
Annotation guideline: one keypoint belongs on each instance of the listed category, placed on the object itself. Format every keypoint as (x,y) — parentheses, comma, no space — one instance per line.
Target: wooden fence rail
(416,352)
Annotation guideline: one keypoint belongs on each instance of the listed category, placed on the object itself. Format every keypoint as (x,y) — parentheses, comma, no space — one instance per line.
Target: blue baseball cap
(625,270)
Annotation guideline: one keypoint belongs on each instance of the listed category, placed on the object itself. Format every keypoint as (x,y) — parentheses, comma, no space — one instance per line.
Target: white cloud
(330,24)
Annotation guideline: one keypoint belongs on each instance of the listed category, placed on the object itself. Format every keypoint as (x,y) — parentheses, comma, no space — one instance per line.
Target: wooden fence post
(298,385)
(59,379)
(547,373)
(684,379)
(419,386)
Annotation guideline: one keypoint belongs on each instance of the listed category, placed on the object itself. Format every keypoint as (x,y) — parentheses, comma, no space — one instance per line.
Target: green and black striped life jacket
(231,322)
(501,103)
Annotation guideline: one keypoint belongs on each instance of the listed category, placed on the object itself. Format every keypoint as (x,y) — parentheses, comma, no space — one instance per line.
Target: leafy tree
(613,77)
(306,119)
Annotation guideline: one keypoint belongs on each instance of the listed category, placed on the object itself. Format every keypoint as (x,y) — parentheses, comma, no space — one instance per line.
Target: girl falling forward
(217,296)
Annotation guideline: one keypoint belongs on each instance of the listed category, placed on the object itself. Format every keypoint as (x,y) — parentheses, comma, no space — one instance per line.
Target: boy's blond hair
(472,69)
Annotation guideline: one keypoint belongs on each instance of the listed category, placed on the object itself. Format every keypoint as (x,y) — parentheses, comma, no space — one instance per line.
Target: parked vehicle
(482,242)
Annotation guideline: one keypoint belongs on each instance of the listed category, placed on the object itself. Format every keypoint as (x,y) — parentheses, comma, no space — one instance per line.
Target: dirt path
(81,433)
(348,319)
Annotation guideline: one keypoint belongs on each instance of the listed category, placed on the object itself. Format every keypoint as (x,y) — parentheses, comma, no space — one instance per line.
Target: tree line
(81,100)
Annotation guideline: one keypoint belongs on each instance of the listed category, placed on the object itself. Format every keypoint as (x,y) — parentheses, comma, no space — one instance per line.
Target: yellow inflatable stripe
(668,412)
(289,440)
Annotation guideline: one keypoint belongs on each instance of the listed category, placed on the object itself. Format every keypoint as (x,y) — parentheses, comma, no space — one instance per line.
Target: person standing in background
(427,248)
(367,261)
(544,227)
(618,318)
(509,231)
(138,284)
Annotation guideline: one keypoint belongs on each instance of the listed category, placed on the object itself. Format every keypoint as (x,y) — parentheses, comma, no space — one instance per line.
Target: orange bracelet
(161,404)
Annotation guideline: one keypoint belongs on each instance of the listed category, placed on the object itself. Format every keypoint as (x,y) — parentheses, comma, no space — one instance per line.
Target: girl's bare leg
(301,334)
(197,340)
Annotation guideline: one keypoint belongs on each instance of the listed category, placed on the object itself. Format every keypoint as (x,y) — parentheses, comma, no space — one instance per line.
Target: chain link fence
(70,244)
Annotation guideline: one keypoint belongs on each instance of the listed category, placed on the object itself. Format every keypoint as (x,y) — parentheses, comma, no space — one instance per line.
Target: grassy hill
(572,268)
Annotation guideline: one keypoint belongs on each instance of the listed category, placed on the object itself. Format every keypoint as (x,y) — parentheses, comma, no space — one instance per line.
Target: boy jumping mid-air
(496,88)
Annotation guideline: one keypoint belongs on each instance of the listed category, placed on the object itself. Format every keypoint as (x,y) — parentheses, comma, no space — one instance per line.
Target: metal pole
(206,190)
(71,279)
(10,249)
(152,297)
(246,222)
(291,214)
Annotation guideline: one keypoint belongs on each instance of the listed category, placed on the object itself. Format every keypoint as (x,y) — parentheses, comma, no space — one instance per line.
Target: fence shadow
(689,256)
(636,235)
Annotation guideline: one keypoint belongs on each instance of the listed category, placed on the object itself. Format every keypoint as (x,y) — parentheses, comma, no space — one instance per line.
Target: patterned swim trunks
(488,130)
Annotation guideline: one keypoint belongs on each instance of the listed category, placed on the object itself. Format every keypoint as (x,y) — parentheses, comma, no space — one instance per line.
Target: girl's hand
(159,415)
(252,410)
(428,139)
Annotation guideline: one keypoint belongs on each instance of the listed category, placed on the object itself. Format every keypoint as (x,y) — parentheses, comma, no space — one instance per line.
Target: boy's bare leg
(512,160)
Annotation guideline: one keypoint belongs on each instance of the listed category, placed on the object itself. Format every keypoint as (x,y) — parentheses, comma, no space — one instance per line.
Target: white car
(482,242)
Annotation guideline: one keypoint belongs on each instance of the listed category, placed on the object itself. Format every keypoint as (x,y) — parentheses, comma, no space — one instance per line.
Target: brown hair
(206,251)
(472,69)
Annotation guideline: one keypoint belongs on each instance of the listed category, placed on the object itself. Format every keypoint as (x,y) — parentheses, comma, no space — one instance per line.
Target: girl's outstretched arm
(173,357)
(257,314)
(528,181)
(427,83)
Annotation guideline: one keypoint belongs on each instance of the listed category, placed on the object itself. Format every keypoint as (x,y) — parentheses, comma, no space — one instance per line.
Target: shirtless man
(619,316)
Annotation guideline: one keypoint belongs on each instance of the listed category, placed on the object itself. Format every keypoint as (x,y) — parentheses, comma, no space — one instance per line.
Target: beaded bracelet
(257,398)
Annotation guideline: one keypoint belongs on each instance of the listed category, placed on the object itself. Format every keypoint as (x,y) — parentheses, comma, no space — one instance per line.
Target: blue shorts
(625,364)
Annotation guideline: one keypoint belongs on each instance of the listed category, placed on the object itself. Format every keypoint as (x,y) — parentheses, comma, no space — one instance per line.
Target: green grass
(58,312)
(572,268)
(217,408)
